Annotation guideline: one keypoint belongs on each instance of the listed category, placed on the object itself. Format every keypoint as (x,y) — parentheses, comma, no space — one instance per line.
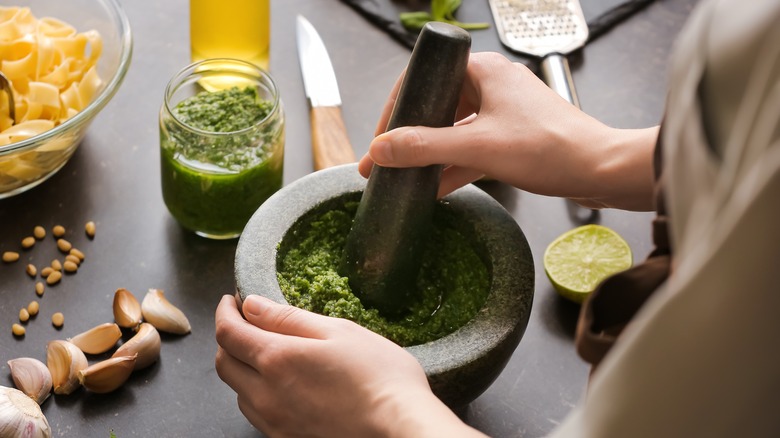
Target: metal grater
(547,29)
(540,27)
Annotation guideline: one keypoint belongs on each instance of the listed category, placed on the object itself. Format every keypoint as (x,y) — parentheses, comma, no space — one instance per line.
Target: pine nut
(58,231)
(64,245)
(39,232)
(54,278)
(90,229)
(28,242)
(58,319)
(10,256)
(18,330)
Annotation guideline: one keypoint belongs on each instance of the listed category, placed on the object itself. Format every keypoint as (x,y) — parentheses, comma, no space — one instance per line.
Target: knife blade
(329,138)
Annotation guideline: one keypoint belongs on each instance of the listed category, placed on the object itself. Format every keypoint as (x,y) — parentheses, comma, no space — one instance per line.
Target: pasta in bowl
(64,61)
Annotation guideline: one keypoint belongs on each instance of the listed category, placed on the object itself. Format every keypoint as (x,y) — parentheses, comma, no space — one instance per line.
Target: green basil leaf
(441,10)
(444,9)
(415,20)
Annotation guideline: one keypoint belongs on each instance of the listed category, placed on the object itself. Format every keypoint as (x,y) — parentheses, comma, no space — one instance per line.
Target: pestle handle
(383,250)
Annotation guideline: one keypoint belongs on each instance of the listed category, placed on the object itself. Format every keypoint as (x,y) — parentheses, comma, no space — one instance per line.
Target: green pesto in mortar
(453,282)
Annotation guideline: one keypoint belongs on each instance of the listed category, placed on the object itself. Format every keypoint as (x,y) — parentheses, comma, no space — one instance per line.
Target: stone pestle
(383,249)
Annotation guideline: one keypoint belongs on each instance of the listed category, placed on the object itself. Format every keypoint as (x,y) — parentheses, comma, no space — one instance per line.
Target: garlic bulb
(20,416)
(145,343)
(163,315)
(31,377)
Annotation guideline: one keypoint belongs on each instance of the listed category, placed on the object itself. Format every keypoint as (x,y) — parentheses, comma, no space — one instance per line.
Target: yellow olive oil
(230,29)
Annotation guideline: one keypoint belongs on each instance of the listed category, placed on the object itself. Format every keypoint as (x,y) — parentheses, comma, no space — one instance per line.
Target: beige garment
(702,357)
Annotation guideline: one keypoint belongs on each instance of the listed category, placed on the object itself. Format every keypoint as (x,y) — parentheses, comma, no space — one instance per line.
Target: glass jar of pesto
(221,145)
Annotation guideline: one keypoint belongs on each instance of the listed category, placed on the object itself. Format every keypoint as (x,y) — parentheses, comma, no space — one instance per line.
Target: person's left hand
(299,373)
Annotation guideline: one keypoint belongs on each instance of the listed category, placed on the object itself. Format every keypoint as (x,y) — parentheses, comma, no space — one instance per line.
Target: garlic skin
(107,375)
(98,339)
(145,344)
(31,377)
(64,361)
(163,315)
(20,416)
(127,310)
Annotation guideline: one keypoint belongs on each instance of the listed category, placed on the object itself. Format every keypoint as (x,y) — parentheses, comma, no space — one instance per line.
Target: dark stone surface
(459,366)
(113,179)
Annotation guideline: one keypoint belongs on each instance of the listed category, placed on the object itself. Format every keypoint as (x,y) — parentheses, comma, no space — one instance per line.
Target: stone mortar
(459,366)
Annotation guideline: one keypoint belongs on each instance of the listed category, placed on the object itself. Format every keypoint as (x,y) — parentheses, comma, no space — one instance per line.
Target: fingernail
(253,305)
(381,151)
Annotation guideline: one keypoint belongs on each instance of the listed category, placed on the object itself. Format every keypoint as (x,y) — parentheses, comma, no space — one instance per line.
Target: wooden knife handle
(329,140)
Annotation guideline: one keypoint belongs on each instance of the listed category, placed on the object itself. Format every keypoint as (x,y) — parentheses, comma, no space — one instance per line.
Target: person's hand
(513,128)
(299,373)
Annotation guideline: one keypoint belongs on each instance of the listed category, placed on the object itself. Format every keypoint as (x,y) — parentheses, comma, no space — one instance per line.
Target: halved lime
(579,259)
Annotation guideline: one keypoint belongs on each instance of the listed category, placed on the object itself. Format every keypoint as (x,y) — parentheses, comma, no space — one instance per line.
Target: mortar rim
(267,228)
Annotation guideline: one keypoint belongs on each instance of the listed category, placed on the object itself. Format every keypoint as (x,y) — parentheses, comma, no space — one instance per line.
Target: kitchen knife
(329,139)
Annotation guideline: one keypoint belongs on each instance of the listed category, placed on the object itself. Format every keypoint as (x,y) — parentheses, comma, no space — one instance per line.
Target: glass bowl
(27,163)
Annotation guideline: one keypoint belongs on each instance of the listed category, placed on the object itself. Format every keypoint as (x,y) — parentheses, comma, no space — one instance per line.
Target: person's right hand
(513,128)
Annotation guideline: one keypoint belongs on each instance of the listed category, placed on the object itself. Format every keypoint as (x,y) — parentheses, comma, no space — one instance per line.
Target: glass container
(212,182)
(237,29)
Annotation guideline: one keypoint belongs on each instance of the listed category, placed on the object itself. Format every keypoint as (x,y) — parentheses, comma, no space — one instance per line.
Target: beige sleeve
(703,356)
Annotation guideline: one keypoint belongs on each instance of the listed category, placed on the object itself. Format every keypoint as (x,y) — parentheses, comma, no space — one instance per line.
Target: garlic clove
(107,375)
(31,377)
(145,343)
(64,360)
(127,310)
(163,315)
(98,339)
(20,416)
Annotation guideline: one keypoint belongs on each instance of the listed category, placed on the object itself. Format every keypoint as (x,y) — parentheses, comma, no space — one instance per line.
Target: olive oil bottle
(237,29)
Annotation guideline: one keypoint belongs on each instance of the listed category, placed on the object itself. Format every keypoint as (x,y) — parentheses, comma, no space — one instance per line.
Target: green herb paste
(220,166)
(453,282)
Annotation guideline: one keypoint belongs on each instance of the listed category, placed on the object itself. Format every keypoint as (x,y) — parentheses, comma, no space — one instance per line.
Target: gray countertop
(113,179)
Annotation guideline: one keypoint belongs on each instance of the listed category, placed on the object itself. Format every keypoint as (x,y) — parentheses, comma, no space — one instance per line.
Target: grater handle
(557,75)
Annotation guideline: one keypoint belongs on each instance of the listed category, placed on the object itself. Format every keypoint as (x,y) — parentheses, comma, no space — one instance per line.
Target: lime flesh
(580,259)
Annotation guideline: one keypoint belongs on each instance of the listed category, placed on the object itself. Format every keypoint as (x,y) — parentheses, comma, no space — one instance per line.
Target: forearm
(589,162)
(622,171)
(524,134)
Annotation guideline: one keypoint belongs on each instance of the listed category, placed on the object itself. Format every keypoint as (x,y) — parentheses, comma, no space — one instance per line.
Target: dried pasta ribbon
(52,69)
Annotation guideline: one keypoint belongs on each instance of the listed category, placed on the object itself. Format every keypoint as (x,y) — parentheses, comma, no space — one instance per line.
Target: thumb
(421,146)
(284,319)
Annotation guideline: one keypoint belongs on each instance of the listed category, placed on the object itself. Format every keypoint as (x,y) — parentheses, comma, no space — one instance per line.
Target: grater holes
(538,19)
